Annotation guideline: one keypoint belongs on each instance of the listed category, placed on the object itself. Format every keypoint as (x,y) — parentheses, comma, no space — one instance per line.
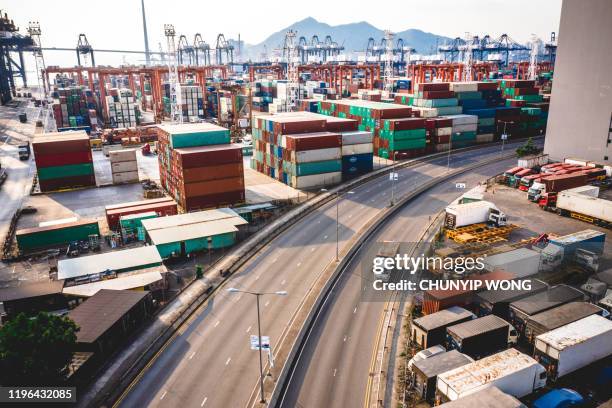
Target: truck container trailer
(529,162)
(594,210)
(480,337)
(497,302)
(521,310)
(521,262)
(425,372)
(490,397)
(590,240)
(460,215)
(430,330)
(557,317)
(511,371)
(574,346)
(515,180)
(554,184)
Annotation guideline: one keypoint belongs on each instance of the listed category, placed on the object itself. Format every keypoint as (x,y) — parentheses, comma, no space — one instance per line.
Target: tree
(36,351)
(527,149)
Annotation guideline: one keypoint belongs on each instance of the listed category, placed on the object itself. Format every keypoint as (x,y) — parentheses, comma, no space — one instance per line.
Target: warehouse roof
(547,300)
(192,231)
(33,230)
(442,318)
(193,218)
(440,363)
(190,128)
(477,326)
(490,397)
(138,203)
(605,277)
(124,282)
(30,290)
(564,314)
(500,296)
(127,259)
(576,332)
(100,312)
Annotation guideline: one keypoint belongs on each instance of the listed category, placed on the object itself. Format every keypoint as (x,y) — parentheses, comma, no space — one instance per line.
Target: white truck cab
(512,336)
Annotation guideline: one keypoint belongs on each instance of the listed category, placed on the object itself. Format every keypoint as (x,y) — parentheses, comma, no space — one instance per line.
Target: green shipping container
(56,235)
(305,169)
(212,137)
(407,144)
(134,221)
(71,170)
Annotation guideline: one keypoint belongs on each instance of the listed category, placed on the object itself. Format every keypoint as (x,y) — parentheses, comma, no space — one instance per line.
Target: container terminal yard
(318,220)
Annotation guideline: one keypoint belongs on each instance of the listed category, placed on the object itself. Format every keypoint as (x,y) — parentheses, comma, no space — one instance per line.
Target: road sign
(265,341)
(460,185)
(393,176)
(504,137)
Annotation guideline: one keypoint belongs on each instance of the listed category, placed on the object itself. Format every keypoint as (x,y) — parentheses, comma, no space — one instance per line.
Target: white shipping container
(356,137)
(122,155)
(575,345)
(426,112)
(306,156)
(444,131)
(511,371)
(572,201)
(357,149)
(106,149)
(122,167)
(468,127)
(316,180)
(530,162)
(485,138)
(460,215)
(463,119)
(521,262)
(468,86)
(579,162)
(442,147)
(126,177)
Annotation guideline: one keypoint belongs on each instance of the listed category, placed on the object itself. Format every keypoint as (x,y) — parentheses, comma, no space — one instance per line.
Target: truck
(515,180)
(574,346)
(460,215)
(559,316)
(550,168)
(509,173)
(430,330)
(510,370)
(24,151)
(521,310)
(488,397)
(527,181)
(498,301)
(425,372)
(582,204)
(388,249)
(554,184)
(530,162)
(521,262)
(480,337)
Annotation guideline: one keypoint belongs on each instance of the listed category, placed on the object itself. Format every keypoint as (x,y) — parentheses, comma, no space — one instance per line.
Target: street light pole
(393,179)
(260,346)
(450,147)
(338,195)
(504,137)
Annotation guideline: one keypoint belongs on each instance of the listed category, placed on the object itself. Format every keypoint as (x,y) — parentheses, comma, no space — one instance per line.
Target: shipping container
(480,337)
(498,301)
(460,215)
(555,184)
(55,235)
(489,397)
(522,262)
(425,372)
(430,330)
(575,345)
(125,177)
(64,183)
(123,155)
(208,155)
(584,207)
(557,317)
(162,208)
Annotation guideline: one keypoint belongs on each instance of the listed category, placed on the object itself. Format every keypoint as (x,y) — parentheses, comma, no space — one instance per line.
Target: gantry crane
(176,113)
(388,61)
(223,46)
(201,46)
(11,42)
(293,84)
(85,49)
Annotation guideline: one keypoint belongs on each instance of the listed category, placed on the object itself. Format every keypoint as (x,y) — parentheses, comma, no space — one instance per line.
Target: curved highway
(210,363)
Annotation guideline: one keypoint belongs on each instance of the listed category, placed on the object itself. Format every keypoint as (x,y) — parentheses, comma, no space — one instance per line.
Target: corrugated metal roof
(564,314)
(576,332)
(31,289)
(115,260)
(129,281)
(500,296)
(193,218)
(577,236)
(191,231)
(490,397)
(442,318)
(543,301)
(441,363)
(486,370)
(190,128)
(101,311)
(477,326)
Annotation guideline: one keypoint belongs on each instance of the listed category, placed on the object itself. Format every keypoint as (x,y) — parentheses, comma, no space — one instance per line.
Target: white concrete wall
(581,101)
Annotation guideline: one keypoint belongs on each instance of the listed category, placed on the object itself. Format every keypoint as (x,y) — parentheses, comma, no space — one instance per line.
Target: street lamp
(450,147)
(504,135)
(393,176)
(338,195)
(257,296)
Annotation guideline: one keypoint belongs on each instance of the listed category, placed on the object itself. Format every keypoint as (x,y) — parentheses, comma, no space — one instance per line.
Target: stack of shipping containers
(199,167)
(480,99)
(435,99)
(124,166)
(122,110)
(63,161)
(532,111)
(75,106)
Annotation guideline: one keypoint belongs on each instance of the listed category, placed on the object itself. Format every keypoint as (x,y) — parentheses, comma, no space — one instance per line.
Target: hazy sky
(118,23)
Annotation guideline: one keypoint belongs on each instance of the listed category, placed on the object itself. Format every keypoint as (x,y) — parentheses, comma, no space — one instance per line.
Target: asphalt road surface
(210,363)
(334,366)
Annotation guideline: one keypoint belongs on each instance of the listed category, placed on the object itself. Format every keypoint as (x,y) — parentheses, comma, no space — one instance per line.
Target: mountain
(353,36)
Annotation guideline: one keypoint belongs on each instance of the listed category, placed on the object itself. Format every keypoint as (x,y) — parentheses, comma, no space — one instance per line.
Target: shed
(430,330)
(557,317)
(498,301)
(149,279)
(107,317)
(425,372)
(32,297)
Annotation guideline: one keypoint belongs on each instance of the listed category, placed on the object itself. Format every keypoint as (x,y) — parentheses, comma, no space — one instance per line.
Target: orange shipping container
(207,173)
(214,187)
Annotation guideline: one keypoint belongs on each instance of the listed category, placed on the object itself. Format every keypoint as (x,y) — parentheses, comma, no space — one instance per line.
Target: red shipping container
(195,174)
(526,91)
(443,122)
(438,94)
(213,200)
(433,86)
(66,183)
(162,209)
(392,113)
(406,124)
(48,160)
(312,141)
(47,144)
(487,86)
(208,155)
(430,125)
(341,125)
(293,125)
(213,187)
(556,183)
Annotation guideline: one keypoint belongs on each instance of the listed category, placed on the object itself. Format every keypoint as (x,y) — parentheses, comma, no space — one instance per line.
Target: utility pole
(394,176)
(450,147)
(176,113)
(146,36)
(504,135)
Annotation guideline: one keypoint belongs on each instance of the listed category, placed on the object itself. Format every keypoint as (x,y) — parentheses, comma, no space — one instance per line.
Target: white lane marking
(228,360)
(283,282)
(372,200)
(355,310)
(216,324)
(204,401)
(350,215)
(335,371)
(249,329)
(192,354)
(267,303)
(325,237)
(312,249)
(257,277)
(298,264)
(345,337)
(274,260)
(163,395)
